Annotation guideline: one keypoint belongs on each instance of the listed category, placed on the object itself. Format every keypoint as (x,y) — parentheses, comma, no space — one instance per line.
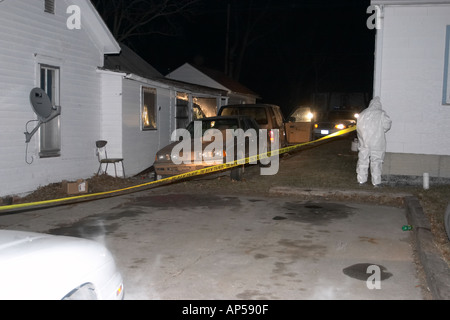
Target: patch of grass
(434,202)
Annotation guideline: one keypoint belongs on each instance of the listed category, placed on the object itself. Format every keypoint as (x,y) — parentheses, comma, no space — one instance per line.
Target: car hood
(41,266)
(20,243)
(168,149)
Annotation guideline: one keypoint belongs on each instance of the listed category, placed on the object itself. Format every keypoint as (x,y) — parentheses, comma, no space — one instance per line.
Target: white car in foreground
(35,266)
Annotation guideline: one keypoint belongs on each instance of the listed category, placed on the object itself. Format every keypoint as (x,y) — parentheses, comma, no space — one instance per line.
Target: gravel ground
(328,165)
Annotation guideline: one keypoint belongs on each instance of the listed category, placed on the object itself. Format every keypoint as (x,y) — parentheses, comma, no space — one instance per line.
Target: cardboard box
(74,188)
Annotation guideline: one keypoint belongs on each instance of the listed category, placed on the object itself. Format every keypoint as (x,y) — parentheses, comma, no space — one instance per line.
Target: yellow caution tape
(211,169)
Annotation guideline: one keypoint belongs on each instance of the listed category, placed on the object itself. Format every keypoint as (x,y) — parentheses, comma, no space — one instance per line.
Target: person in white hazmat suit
(372,125)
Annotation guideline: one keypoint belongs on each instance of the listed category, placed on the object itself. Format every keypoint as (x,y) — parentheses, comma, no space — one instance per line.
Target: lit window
(207,107)
(182,110)
(148,109)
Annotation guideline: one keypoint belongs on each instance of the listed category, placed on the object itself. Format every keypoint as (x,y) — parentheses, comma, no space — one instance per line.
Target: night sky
(305,46)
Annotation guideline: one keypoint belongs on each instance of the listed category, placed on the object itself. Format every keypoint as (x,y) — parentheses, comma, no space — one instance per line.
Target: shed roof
(205,75)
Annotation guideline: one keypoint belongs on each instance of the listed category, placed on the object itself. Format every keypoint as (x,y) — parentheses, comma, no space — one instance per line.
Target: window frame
(145,108)
(50,133)
(49,6)
(446,82)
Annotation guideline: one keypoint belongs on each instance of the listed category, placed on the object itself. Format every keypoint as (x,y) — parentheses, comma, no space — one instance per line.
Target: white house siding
(140,146)
(121,117)
(409,79)
(111,119)
(29,36)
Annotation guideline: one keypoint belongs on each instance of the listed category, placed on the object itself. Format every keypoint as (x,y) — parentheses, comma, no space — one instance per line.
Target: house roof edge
(98,26)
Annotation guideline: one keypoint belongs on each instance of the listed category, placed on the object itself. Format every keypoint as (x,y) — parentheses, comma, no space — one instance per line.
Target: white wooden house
(141,108)
(56,45)
(62,46)
(412,77)
(236,92)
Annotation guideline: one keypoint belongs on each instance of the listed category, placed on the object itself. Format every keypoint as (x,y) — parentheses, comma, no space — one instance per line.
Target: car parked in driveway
(268,116)
(35,266)
(334,121)
(169,162)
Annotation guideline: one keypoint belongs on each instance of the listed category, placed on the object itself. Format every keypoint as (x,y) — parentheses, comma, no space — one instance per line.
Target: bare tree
(245,26)
(130,18)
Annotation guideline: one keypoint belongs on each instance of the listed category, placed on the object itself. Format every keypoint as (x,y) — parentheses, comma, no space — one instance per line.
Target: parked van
(268,116)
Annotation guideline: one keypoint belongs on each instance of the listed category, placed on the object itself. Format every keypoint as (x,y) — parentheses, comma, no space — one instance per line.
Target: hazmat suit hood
(375,104)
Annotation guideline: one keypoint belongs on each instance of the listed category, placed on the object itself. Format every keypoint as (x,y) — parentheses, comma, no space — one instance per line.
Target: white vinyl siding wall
(139,145)
(28,37)
(410,70)
(411,63)
(121,118)
(111,118)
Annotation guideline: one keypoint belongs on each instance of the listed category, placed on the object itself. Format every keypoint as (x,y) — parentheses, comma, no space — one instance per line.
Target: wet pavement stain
(99,225)
(185,200)
(130,212)
(292,251)
(317,213)
(91,229)
(367,239)
(311,206)
(361,271)
(96,226)
(138,262)
(260,256)
(255,295)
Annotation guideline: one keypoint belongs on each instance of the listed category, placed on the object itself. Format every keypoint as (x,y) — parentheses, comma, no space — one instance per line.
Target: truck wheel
(237,173)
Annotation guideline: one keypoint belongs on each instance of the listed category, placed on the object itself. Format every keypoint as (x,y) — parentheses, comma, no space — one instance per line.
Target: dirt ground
(327,165)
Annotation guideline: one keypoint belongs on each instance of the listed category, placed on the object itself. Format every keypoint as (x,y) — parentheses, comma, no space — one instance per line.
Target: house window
(49,6)
(50,132)
(182,110)
(148,109)
(446,90)
(207,107)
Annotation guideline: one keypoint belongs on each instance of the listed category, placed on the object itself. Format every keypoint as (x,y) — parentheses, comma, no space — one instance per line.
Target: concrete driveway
(192,246)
